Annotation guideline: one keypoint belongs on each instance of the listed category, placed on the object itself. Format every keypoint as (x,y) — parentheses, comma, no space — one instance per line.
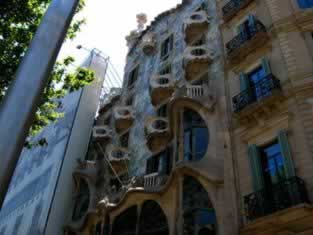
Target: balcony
(157,133)
(153,182)
(202,94)
(161,88)
(118,157)
(196,24)
(148,44)
(197,60)
(124,118)
(246,42)
(282,209)
(102,134)
(233,7)
(260,101)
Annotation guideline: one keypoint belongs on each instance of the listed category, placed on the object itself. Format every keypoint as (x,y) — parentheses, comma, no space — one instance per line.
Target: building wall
(288,50)
(40,194)
(215,170)
(35,178)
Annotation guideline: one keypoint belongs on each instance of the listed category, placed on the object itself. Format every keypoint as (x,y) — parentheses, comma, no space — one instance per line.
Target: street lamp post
(19,106)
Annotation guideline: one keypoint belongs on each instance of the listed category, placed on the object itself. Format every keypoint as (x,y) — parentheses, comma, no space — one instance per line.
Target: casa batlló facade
(212,131)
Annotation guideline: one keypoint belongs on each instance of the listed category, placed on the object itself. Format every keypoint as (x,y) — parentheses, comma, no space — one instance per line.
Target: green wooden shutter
(285,150)
(266,66)
(256,167)
(244,82)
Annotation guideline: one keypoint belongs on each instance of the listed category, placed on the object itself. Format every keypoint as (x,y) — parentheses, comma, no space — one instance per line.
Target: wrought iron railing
(233,7)
(243,37)
(280,196)
(257,92)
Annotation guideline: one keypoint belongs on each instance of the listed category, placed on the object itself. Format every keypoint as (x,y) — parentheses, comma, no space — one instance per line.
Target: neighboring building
(40,194)
(269,85)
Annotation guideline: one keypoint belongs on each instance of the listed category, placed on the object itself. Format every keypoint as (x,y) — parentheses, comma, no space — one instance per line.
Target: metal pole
(19,106)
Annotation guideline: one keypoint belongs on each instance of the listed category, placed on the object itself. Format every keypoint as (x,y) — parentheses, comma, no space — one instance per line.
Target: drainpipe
(20,104)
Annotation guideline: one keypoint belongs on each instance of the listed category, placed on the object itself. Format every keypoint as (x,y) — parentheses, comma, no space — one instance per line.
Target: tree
(19,20)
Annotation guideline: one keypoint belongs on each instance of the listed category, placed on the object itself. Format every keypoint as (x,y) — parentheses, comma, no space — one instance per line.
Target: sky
(108,22)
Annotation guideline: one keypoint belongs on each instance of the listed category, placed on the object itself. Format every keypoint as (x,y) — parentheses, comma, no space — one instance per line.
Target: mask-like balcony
(157,133)
(196,24)
(154,182)
(148,44)
(197,60)
(161,88)
(102,134)
(261,99)
(118,157)
(124,118)
(251,38)
(278,209)
(233,7)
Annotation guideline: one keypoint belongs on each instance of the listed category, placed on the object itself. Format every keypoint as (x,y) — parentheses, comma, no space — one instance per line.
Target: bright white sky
(108,22)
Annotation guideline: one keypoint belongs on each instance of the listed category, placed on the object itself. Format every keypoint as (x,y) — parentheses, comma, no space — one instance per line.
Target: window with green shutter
(272,163)
(256,167)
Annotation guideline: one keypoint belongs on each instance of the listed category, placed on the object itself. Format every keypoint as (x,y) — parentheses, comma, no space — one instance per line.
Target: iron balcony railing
(283,195)
(233,7)
(257,92)
(245,36)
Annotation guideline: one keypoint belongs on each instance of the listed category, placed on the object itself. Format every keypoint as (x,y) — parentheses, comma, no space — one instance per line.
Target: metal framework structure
(25,92)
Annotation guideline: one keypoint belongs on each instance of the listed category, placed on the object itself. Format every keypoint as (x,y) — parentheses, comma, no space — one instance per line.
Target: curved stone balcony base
(154,186)
(161,88)
(124,118)
(197,60)
(196,24)
(157,133)
(102,134)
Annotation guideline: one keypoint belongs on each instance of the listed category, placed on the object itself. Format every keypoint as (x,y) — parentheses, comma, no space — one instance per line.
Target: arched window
(81,201)
(153,221)
(305,3)
(199,214)
(196,136)
(125,223)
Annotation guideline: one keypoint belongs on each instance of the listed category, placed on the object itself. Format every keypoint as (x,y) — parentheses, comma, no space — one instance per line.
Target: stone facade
(212,130)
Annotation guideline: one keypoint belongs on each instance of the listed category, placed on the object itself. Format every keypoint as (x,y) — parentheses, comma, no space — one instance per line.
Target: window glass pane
(187,145)
(196,136)
(255,78)
(305,3)
(201,142)
(273,165)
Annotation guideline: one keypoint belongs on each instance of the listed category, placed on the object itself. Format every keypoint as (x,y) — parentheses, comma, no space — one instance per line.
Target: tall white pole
(18,108)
